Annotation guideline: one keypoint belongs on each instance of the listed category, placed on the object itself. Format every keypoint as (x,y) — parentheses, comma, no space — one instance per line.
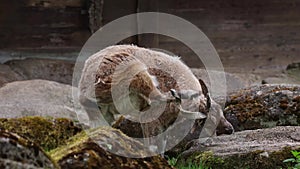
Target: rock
(293,70)
(47,69)
(263,107)
(8,75)
(262,148)
(17,152)
(281,75)
(293,66)
(39,98)
(282,79)
(48,133)
(105,147)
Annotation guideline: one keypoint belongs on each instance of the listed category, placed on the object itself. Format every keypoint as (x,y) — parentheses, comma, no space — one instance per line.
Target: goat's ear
(176,95)
(205,93)
(203,87)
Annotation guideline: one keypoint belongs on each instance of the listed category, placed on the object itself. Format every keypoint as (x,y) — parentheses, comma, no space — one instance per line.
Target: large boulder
(8,75)
(262,148)
(264,106)
(39,98)
(105,147)
(47,69)
(17,152)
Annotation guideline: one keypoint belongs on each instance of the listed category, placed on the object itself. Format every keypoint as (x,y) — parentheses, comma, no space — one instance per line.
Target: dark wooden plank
(43,24)
(148,40)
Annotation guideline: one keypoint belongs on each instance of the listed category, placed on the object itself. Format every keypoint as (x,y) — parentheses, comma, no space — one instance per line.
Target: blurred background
(257,40)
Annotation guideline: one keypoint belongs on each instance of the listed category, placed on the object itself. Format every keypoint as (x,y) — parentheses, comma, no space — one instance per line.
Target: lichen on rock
(264,106)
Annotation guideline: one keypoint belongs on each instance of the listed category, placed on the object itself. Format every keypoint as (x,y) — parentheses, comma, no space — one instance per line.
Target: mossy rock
(251,160)
(251,149)
(264,106)
(103,148)
(17,152)
(49,133)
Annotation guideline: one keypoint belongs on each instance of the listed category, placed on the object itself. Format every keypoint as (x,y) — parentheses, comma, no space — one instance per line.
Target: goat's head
(198,105)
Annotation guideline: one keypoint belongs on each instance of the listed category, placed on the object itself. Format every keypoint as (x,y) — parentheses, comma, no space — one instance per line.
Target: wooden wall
(251,29)
(247,29)
(43,24)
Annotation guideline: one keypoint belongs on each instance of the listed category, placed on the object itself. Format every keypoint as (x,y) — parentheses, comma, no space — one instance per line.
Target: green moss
(208,159)
(88,149)
(48,133)
(23,152)
(79,141)
(205,159)
(71,146)
(255,159)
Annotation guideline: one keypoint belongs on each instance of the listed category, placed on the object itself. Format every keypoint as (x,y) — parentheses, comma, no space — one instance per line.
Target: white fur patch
(154,80)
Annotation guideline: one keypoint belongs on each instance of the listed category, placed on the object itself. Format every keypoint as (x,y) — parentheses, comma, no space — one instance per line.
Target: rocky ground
(255,105)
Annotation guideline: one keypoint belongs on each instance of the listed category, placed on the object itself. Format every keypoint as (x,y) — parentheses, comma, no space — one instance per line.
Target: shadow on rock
(17,152)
